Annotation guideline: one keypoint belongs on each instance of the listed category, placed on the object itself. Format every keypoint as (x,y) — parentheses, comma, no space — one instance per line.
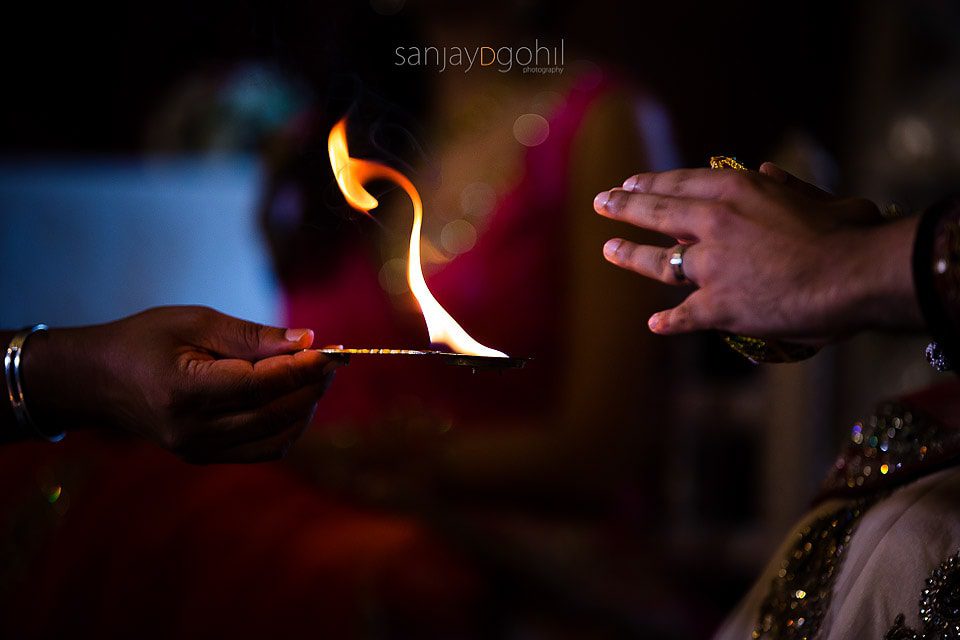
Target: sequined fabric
(937,357)
(939,610)
(889,448)
(800,593)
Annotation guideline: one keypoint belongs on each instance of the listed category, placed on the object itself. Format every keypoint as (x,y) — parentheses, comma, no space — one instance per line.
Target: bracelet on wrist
(12,360)
(936,274)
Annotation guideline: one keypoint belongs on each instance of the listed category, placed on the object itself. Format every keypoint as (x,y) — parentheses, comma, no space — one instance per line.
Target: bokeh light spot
(531,129)
(458,236)
(393,276)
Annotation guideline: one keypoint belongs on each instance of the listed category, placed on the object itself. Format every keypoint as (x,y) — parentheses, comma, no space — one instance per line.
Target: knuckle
(198,315)
(250,333)
(679,186)
(643,182)
(712,310)
(634,259)
(171,400)
(624,253)
(178,396)
(195,319)
(721,315)
(658,211)
(716,216)
(249,387)
(659,183)
(662,258)
(293,376)
(676,319)
(737,184)
(616,201)
(713,220)
(199,310)
(674,183)
(724,210)
(707,264)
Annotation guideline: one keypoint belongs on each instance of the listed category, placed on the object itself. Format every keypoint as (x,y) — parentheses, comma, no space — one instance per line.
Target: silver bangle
(11,371)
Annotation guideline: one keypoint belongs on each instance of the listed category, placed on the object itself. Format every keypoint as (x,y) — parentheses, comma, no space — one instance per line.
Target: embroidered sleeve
(939,609)
(936,273)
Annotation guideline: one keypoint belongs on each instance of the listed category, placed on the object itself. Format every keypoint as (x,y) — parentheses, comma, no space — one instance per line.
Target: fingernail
(771,170)
(601,200)
(614,200)
(630,183)
(296,335)
(654,322)
(611,246)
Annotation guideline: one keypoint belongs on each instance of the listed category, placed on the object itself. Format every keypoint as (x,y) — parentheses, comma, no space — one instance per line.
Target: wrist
(63,378)
(881,276)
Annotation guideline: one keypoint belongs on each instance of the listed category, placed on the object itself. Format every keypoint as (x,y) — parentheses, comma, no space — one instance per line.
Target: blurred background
(621,485)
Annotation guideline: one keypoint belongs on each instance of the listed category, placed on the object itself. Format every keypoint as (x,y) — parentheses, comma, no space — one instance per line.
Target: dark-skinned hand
(207,386)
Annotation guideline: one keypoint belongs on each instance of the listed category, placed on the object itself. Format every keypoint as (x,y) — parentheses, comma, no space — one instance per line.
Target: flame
(351,174)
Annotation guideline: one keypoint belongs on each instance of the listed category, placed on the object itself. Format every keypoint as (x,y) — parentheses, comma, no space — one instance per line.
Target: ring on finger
(676,262)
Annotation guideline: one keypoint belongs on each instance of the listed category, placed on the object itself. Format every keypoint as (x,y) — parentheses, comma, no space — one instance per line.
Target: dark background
(836,91)
(733,74)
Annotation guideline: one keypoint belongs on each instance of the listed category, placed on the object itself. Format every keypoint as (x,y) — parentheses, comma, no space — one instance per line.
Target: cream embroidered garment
(878,559)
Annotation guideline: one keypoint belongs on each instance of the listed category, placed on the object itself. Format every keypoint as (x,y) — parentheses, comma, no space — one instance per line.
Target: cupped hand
(768,254)
(207,386)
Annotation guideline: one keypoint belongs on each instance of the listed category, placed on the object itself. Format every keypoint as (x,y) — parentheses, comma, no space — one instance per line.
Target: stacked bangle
(936,274)
(11,370)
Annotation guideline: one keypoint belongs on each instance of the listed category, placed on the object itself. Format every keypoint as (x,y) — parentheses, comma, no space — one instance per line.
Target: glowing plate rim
(447,357)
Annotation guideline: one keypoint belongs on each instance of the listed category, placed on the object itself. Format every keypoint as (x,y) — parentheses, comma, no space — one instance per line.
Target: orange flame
(351,174)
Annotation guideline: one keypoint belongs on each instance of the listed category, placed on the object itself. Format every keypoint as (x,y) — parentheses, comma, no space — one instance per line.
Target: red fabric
(142,545)
(151,547)
(507,292)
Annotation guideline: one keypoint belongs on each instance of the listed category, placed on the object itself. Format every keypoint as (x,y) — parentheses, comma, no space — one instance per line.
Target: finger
(651,262)
(784,177)
(677,217)
(265,450)
(858,210)
(690,315)
(264,422)
(690,183)
(234,338)
(234,384)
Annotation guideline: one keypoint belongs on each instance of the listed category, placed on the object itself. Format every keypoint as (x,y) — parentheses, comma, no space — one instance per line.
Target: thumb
(782,176)
(687,316)
(235,338)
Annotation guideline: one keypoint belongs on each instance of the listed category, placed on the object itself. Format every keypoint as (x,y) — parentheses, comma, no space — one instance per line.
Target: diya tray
(445,357)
